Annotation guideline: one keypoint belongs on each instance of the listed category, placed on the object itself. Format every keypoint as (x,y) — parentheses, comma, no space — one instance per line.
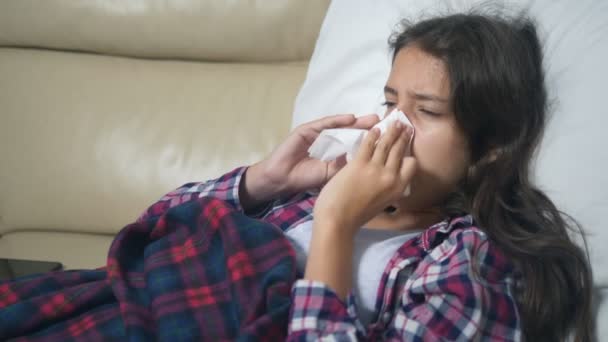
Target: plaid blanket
(199,271)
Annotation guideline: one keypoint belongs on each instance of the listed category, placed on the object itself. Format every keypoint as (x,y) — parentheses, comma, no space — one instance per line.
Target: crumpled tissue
(335,142)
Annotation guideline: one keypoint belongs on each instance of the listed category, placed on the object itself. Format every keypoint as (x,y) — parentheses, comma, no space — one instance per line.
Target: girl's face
(419,86)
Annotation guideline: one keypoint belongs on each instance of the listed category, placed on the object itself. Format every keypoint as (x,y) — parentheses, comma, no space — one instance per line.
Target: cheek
(441,154)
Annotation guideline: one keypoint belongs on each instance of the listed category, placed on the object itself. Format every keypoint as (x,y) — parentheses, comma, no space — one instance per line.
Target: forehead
(414,70)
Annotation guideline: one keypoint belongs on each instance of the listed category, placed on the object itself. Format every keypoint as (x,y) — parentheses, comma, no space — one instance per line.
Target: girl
(476,251)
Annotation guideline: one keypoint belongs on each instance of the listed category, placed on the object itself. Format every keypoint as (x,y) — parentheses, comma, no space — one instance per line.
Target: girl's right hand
(289,169)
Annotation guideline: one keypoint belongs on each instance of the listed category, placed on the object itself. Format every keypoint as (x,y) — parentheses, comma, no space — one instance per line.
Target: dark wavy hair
(499,100)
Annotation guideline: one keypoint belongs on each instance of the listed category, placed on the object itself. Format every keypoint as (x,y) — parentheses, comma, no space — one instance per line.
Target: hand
(289,169)
(378,175)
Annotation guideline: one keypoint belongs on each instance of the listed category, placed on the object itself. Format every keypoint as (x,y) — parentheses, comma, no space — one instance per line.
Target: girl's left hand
(375,178)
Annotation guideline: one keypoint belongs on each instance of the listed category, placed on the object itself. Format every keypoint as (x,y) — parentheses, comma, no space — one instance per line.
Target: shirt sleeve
(461,291)
(225,188)
(317,313)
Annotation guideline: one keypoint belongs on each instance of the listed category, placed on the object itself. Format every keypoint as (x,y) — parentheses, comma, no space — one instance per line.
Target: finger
(397,152)
(386,143)
(366,150)
(335,165)
(333,121)
(366,121)
(410,132)
(408,168)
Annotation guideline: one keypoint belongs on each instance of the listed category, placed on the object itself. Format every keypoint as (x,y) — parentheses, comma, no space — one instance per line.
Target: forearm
(330,257)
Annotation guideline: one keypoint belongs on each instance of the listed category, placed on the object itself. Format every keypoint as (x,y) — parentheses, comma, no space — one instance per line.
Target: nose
(407,114)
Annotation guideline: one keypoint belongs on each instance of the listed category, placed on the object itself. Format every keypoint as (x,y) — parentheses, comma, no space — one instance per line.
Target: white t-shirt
(373,249)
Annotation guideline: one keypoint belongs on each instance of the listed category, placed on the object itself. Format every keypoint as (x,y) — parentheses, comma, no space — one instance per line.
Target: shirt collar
(436,233)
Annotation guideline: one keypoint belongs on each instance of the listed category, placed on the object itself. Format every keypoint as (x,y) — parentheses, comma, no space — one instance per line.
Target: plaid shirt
(452,283)
(191,268)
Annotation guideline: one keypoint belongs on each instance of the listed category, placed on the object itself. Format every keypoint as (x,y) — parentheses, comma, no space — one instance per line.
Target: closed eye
(388,104)
(428,112)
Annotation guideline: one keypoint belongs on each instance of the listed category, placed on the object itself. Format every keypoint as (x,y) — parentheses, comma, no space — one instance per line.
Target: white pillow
(351,62)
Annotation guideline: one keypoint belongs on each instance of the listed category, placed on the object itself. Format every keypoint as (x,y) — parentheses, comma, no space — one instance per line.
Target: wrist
(330,258)
(335,219)
(256,188)
(333,228)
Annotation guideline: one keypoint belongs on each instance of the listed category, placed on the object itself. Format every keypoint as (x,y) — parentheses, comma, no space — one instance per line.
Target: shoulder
(469,249)
(462,289)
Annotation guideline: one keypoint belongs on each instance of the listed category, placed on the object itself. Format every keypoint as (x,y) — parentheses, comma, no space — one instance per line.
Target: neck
(405,220)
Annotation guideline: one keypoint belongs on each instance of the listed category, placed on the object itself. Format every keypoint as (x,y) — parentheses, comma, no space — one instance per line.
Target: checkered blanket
(199,271)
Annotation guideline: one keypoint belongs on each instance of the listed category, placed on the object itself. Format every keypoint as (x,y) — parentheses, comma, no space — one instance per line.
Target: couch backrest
(106,105)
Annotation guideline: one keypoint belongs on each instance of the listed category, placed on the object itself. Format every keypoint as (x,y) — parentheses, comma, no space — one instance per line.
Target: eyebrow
(390,90)
(418,96)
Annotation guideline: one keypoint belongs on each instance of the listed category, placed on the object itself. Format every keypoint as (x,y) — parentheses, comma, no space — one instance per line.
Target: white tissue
(393,116)
(333,143)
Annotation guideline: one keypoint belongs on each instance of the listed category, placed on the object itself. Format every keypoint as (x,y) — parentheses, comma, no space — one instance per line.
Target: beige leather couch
(106,105)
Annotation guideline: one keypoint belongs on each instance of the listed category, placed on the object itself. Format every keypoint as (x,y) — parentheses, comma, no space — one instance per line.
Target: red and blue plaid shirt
(451,283)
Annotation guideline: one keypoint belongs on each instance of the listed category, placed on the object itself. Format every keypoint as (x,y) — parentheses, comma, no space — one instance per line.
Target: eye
(428,112)
(388,104)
